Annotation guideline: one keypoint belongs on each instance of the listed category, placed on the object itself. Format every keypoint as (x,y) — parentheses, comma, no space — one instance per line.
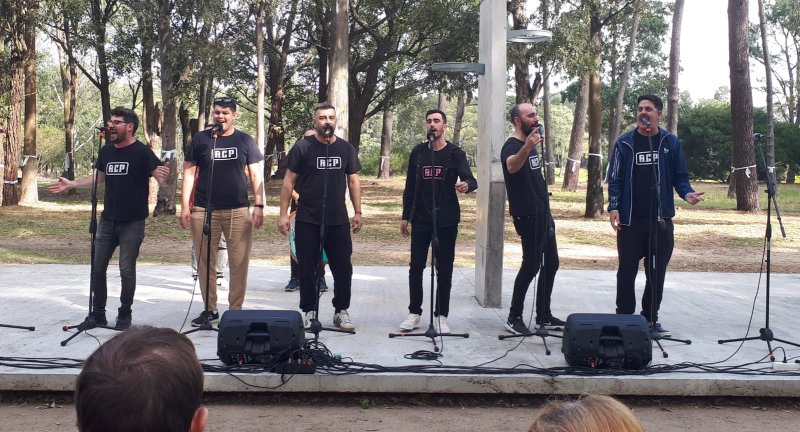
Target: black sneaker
(516,325)
(213,317)
(124,319)
(99,316)
(661,330)
(550,322)
(293,285)
(322,285)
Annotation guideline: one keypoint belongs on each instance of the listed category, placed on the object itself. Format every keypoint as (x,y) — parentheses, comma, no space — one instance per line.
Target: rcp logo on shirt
(226,153)
(117,168)
(535,162)
(646,158)
(432,172)
(331,162)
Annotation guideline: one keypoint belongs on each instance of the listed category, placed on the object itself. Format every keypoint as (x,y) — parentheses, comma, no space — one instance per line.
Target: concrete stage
(703,307)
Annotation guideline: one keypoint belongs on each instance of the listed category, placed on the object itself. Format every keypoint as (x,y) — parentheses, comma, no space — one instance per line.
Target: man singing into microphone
(231,157)
(634,210)
(125,165)
(529,205)
(433,168)
(320,167)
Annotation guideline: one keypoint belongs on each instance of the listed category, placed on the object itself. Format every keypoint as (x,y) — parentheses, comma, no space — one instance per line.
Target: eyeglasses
(117,122)
(224,101)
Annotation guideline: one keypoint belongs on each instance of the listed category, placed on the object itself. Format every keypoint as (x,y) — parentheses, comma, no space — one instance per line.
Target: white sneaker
(310,315)
(342,320)
(411,322)
(441,324)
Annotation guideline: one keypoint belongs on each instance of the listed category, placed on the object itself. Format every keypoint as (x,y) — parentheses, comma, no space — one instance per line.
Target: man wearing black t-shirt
(635,212)
(125,166)
(433,169)
(320,168)
(227,158)
(529,205)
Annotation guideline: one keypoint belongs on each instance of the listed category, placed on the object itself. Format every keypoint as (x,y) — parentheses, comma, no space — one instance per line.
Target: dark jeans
(339,247)
(538,235)
(632,246)
(421,235)
(128,236)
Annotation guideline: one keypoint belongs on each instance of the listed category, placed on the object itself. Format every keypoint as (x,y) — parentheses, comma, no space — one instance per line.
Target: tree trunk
(673,91)
(521,76)
(442,97)
(165,204)
(547,154)
(151,115)
(103,84)
(69,81)
(11,193)
(459,120)
(260,82)
(616,119)
(340,75)
(384,170)
(770,106)
(29,192)
(322,20)
(278,78)
(572,166)
(594,166)
(742,107)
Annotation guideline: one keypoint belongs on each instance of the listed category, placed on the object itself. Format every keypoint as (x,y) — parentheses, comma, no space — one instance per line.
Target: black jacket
(455,167)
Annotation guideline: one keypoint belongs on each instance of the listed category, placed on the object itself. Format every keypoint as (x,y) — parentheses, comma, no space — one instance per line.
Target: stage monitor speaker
(259,336)
(607,341)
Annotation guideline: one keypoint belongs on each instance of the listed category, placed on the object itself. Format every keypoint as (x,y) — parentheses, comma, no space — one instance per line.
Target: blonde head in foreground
(591,413)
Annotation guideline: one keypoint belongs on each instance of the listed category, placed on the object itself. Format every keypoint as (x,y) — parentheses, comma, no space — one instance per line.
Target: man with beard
(227,158)
(125,165)
(529,205)
(320,167)
(433,169)
(635,212)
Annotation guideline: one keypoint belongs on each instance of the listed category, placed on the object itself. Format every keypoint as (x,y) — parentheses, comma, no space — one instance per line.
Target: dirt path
(441,415)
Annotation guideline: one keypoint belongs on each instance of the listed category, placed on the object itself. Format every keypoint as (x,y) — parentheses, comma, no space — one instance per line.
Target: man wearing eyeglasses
(227,158)
(125,165)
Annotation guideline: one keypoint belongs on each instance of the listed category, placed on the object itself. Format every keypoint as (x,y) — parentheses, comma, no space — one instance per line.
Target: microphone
(101,129)
(540,127)
(645,119)
(215,128)
(431,136)
(758,137)
(327,131)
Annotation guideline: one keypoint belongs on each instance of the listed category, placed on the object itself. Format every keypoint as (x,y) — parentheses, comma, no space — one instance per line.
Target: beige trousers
(238,228)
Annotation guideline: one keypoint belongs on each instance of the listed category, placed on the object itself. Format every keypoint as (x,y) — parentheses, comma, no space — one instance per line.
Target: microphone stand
(765,333)
(431,332)
(541,330)
(89,322)
(653,233)
(206,323)
(314,324)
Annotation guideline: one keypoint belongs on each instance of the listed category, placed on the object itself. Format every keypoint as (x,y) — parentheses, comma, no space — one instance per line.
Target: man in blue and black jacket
(647,163)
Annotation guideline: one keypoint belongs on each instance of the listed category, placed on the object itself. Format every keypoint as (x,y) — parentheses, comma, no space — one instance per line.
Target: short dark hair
(513,113)
(323,106)
(226,102)
(146,378)
(128,116)
(659,104)
(436,111)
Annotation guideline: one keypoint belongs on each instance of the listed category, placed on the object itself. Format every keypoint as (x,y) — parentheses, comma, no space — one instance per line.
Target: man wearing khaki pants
(235,158)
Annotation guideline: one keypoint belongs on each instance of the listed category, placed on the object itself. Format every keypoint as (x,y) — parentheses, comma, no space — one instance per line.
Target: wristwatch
(261,206)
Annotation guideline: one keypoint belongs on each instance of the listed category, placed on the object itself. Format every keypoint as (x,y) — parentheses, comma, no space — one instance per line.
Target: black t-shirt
(127,172)
(527,190)
(232,154)
(316,163)
(644,195)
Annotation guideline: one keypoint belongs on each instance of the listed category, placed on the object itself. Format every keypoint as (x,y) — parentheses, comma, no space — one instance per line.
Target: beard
(527,129)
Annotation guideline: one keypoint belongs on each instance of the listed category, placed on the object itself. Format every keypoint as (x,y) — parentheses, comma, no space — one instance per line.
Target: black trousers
(339,247)
(634,243)
(421,235)
(538,236)
(128,236)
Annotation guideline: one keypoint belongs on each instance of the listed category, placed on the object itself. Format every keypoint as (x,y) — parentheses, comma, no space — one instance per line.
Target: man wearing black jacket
(433,168)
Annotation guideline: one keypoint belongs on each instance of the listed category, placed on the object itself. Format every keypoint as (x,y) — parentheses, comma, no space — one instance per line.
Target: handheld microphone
(540,128)
(327,131)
